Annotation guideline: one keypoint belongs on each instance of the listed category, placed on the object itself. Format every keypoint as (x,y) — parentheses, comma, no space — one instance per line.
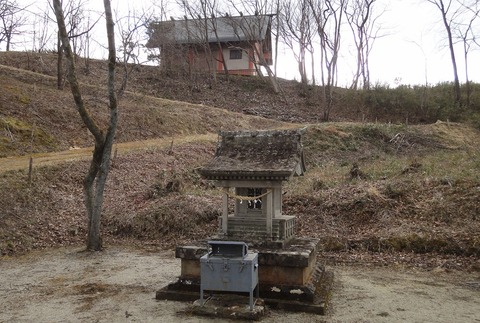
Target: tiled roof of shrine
(257,155)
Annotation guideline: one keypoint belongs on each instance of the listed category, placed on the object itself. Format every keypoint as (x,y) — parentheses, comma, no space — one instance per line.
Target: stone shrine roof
(257,155)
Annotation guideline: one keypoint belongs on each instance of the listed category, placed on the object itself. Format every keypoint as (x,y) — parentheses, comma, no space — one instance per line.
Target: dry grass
(35,117)
(418,196)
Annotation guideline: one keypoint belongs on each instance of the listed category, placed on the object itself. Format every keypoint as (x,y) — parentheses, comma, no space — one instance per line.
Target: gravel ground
(119,284)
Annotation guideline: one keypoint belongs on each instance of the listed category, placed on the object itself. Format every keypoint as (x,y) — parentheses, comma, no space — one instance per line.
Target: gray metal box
(229,267)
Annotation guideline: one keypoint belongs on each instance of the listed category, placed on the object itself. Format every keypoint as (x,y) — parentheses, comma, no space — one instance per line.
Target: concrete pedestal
(287,276)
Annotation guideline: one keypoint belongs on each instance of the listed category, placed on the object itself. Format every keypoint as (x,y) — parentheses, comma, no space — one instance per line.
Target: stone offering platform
(289,278)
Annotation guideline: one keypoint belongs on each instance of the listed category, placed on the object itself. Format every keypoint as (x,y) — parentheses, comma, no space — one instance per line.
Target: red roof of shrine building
(257,155)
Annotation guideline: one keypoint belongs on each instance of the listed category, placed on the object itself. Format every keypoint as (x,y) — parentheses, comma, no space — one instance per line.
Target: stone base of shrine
(289,278)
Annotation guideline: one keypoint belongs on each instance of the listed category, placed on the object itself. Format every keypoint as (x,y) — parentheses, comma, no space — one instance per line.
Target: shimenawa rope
(245,198)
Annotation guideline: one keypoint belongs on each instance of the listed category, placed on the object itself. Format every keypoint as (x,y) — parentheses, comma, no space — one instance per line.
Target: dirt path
(118,285)
(44,159)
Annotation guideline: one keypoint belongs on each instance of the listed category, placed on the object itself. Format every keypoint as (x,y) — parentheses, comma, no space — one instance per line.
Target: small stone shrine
(250,168)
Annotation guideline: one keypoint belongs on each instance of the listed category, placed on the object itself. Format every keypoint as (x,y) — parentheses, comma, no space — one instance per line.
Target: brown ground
(119,285)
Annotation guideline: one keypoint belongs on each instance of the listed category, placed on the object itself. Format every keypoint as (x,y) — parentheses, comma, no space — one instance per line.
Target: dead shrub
(178,215)
(395,191)
(330,243)
(357,173)
(318,185)
(414,167)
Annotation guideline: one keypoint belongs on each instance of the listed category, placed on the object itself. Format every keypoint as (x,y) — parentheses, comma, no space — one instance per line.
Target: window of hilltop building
(235,54)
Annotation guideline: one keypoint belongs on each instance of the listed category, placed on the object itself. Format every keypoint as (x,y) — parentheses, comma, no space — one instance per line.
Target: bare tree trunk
(261,9)
(271,75)
(444,11)
(302,66)
(329,21)
(277,38)
(220,48)
(222,57)
(59,63)
(94,182)
(9,40)
(297,32)
(359,14)
(467,78)
(466,34)
(312,56)
(456,81)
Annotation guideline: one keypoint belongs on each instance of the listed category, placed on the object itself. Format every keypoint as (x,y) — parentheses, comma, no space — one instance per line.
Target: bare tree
(131,29)
(75,13)
(464,32)
(159,14)
(296,27)
(328,18)
(85,40)
(449,15)
(362,22)
(74,17)
(71,10)
(423,98)
(260,9)
(41,33)
(203,15)
(198,29)
(12,18)
(277,36)
(172,55)
(95,179)
(212,7)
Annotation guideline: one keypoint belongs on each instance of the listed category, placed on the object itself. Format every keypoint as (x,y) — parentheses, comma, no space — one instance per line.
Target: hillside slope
(373,192)
(366,195)
(36,117)
(247,95)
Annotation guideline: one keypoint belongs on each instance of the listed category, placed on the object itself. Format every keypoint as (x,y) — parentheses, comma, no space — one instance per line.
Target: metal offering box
(229,267)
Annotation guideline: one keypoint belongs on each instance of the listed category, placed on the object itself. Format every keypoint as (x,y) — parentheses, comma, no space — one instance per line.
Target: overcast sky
(413,46)
(417,46)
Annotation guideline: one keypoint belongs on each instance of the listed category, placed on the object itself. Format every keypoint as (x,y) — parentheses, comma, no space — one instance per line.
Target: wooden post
(114,158)
(30,169)
(277,201)
(269,205)
(225,211)
(170,151)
